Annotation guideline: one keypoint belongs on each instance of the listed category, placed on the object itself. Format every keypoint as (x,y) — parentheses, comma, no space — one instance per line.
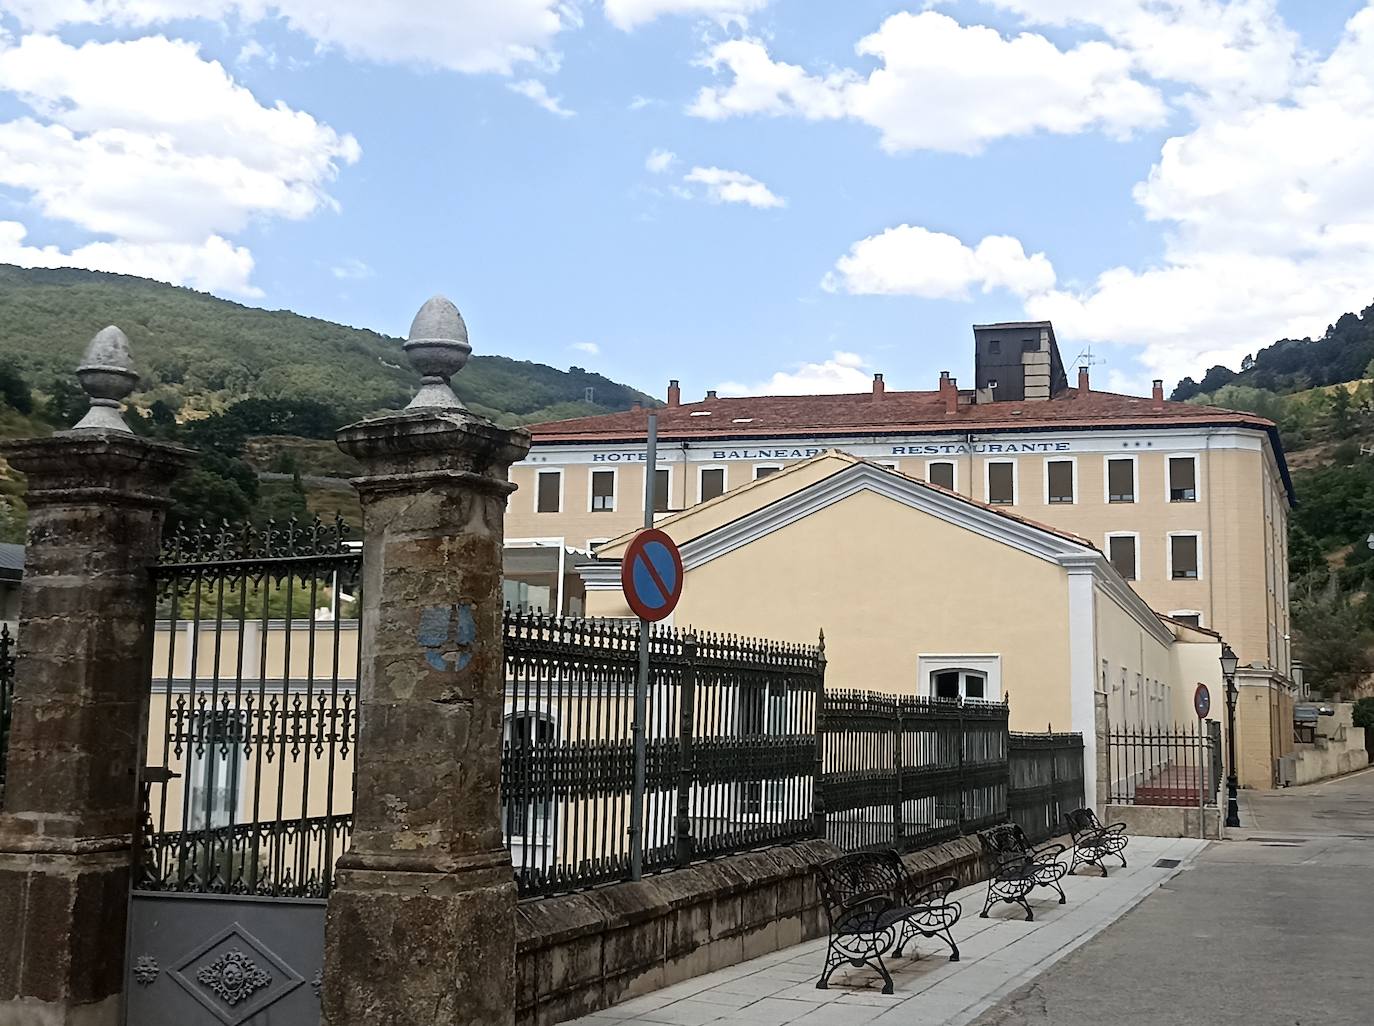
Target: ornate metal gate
(248,785)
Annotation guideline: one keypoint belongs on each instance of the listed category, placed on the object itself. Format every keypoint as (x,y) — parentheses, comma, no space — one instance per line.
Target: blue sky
(744,194)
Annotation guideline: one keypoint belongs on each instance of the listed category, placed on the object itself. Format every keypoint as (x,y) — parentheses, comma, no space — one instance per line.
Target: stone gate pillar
(96,497)
(421,921)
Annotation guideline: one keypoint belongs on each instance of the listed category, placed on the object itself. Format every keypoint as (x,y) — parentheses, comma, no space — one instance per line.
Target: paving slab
(999,955)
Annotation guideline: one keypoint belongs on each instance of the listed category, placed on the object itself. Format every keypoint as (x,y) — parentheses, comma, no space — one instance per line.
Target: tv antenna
(1087,359)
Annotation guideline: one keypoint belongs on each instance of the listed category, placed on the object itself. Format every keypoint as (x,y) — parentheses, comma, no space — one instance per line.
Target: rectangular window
(1059,480)
(712,482)
(215,768)
(995,347)
(548,491)
(1191,619)
(603,491)
(1002,483)
(1183,479)
(1121,553)
(941,474)
(662,487)
(1121,480)
(763,470)
(1183,557)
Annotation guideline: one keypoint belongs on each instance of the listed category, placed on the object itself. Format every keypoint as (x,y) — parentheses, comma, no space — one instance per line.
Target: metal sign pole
(1201,785)
(642,684)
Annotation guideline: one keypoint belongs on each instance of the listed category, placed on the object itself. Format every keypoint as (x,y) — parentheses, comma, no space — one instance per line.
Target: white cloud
(146,142)
(914,261)
(724,186)
(459,35)
(659,161)
(1269,210)
(536,91)
(640,102)
(1232,50)
(254,51)
(843,372)
(590,348)
(213,265)
(351,270)
(630,14)
(943,86)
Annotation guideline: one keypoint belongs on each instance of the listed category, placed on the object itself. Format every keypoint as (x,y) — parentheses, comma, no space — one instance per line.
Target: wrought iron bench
(872,905)
(1093,842)
(1021,868)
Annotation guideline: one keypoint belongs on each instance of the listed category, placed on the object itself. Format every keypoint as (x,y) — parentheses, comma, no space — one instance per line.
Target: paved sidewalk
(1000,954)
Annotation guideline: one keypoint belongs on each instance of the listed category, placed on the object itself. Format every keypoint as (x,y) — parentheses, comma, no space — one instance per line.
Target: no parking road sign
(651,574)
(1202,701)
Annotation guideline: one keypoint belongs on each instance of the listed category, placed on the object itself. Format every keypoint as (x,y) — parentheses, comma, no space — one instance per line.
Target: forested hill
(1342,354)
(199,354)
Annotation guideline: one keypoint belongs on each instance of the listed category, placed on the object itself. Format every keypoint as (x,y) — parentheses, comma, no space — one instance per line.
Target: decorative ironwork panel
(730,750)
(203,960)
(253,702)
(1045,781)
(905,773)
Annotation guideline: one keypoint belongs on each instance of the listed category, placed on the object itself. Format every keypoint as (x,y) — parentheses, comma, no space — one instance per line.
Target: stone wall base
(579,953)
(62,924)
(425,952)
(1166,820)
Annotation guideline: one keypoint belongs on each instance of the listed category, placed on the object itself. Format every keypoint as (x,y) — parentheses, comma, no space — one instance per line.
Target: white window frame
(1135,478)
(1135,536)
(1072,461)
(562,483)
(1015,482)
(929,664)
(1169,555)
(754,471)
(724,479)
(1201,620)
(1197,478)
(615,488)
(954,478)
(211,759)
(544,838)
(669,469)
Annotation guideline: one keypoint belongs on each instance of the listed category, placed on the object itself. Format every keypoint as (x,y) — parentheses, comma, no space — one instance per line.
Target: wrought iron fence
(1165,766)
(1045,774)
(7,657)
(909,772)
(249,779)
(730,747)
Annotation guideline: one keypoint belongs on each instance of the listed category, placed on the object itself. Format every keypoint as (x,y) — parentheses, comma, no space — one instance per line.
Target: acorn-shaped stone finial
(106,376)
(438,348)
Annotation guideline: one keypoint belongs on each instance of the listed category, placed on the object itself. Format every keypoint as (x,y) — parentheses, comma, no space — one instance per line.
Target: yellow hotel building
(1189,503)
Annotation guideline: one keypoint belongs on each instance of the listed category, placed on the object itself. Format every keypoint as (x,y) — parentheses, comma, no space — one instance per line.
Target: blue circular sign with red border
(651,574)
(1202,701)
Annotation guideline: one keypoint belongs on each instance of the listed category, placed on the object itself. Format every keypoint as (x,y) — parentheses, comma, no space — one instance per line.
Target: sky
(756,196)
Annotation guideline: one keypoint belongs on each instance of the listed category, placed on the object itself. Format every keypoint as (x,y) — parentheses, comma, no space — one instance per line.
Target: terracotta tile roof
(893,413)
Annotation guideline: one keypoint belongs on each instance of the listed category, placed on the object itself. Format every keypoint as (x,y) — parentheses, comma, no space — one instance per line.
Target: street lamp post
(1229,663)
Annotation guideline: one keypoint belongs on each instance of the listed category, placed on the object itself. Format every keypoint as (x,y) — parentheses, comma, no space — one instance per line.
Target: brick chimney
(674,393)
(1157,395)
(1083,386)
(712,394)
(949,391)
(878,386)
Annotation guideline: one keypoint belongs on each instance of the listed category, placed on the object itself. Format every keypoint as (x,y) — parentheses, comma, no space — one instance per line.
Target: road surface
(1275,929)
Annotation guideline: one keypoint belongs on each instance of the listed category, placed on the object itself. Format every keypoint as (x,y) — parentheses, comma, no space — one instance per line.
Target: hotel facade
(1189,503)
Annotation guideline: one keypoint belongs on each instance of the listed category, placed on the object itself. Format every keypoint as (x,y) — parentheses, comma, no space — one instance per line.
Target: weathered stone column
(96,497)
(421,921)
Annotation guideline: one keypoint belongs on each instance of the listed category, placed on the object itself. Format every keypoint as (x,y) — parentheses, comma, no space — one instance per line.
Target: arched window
(959,682)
